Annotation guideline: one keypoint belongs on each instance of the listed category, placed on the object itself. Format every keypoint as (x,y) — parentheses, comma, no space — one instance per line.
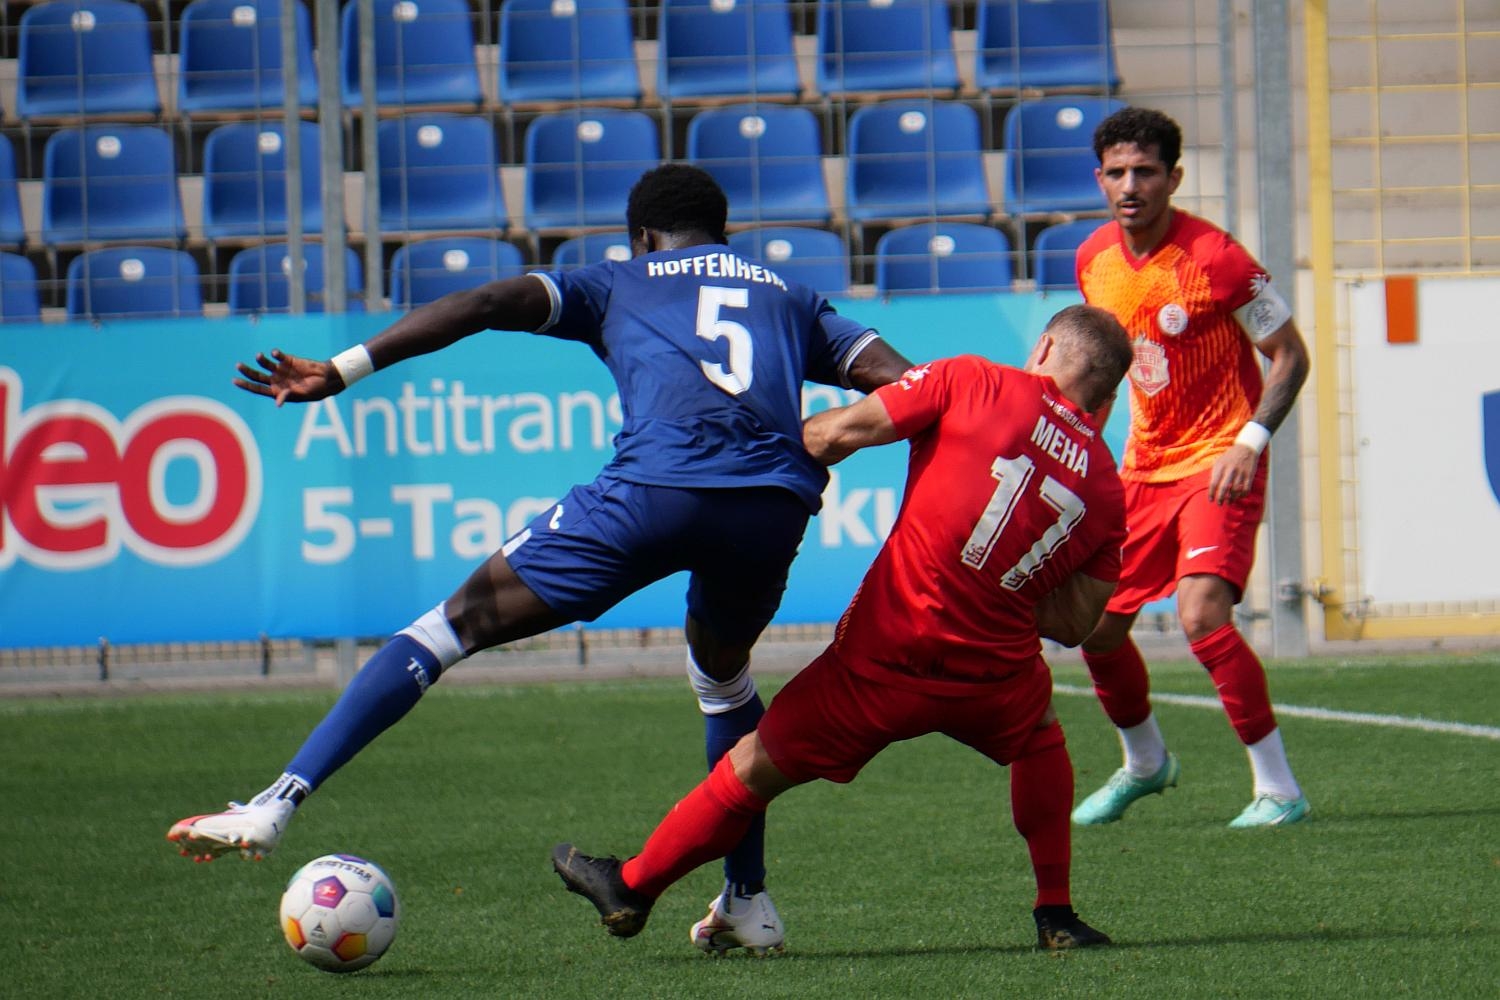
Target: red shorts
(1175,530)
(829,722)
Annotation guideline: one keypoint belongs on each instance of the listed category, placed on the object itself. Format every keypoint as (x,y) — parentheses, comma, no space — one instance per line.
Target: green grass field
(909,883)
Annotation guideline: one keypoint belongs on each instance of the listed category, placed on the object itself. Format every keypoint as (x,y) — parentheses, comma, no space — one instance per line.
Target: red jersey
(1010,489)
(1196,379)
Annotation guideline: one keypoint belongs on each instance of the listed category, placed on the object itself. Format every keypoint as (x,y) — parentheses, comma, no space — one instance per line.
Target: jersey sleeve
(1234,276)
(920,397)
(836,342)
(579,297)
(1246,291)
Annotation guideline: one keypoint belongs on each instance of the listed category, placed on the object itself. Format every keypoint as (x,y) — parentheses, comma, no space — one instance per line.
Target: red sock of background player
(1041,795)
(1124,690)
(705,825)
(1241,679)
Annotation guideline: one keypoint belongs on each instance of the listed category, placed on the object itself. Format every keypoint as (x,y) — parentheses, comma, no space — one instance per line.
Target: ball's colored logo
(177,482)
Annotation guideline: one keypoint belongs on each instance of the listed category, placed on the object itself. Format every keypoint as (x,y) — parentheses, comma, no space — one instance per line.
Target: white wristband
(1254,436)
(353,364)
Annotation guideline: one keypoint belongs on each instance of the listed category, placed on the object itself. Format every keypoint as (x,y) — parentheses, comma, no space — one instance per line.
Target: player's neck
(1141,243)
(680,241)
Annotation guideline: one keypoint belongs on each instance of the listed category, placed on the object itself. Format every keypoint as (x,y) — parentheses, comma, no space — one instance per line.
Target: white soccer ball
(340,912)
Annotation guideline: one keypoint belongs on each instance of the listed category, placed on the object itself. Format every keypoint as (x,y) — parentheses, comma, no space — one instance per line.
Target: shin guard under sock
(384,690)
(1241,680)
(745,865)
(1041,796)
(708,821)
(1121,682)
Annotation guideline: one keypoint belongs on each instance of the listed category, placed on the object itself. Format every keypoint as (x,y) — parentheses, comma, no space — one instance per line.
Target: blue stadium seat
(85,57)
(130,282)
(439,171)
(943,257)
(231,57)
(812,257)
(915,159)
(580,165)
(421,272)
(1050,157)
(767,158)
(244,180)
(110,182)
(578,50)
(19,301)
(12,224)
(424,54)
(591,248)
(891,45)
(259,279)
(710,48)
(1055,250)
(1045,45)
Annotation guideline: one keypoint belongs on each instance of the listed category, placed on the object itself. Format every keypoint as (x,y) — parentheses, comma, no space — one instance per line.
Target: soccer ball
(340,912)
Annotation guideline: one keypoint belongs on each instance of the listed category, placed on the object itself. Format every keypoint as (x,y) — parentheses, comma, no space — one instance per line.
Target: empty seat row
(137,281)
(93,57)
(438,171)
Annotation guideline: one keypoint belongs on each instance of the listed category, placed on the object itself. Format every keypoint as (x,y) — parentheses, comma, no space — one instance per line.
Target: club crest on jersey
(1148,370)
(1172,319)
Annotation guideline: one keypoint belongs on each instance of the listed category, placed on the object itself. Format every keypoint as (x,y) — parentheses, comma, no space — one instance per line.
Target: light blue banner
(145,499)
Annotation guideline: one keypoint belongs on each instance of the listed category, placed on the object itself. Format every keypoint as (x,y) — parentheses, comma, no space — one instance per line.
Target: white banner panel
(1427,426)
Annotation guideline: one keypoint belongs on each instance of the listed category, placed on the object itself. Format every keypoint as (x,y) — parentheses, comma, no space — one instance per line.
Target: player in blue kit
(709,352)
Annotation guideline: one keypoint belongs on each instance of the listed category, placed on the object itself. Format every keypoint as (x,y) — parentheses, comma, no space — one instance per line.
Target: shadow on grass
(1326,935)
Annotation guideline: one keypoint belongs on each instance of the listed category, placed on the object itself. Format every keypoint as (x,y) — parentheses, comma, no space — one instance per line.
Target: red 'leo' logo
(76,484)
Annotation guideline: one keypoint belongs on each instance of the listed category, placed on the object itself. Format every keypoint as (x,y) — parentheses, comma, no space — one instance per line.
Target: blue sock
(383,691)
(745,866)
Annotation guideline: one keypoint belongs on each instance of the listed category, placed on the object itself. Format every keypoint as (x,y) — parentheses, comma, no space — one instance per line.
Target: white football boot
(253,831)
(749,922)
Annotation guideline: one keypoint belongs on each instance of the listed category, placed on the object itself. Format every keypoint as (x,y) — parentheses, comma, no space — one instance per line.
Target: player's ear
(1173,179)
(1039,352)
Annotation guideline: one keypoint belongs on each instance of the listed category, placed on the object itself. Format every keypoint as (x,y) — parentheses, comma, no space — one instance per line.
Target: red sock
(705,825)
(1041,795)
(1241,680)
(1121,683)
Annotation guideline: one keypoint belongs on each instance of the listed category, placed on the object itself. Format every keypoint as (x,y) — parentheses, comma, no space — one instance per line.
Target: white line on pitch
(1321,714)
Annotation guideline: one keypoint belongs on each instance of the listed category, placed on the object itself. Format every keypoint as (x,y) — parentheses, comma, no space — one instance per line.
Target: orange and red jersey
(1196,378)
(1009,491)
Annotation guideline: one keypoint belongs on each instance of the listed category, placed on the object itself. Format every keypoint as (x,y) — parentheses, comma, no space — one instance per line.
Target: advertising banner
(1427,423)
(143,498)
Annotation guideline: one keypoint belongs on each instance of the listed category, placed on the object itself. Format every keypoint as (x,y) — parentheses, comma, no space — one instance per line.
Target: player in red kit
(1202,313)
(1010,530)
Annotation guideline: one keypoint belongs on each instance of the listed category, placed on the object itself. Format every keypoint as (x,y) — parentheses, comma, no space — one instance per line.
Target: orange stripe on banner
(1401,309)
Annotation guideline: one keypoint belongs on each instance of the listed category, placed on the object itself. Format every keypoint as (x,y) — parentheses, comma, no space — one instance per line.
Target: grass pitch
(909,883)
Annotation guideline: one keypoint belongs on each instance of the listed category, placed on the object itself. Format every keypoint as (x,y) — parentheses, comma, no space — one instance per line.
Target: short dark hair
(677,198)
(1144,127)
(1098,341)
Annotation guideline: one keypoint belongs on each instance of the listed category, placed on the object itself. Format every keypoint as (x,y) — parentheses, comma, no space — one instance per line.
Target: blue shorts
(609,538)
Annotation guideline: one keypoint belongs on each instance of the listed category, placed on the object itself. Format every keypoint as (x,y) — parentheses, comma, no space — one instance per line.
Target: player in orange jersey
(1201,312)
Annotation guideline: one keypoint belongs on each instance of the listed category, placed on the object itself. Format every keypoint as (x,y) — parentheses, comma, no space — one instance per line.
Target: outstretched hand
(288,378)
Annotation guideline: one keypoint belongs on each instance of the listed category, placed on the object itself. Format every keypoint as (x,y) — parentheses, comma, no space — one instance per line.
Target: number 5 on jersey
(712,298)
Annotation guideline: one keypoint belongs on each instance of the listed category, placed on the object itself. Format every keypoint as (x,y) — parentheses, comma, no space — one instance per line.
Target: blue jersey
(709,352)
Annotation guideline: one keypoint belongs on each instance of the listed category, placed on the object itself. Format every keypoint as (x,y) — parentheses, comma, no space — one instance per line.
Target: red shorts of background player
(828,722)
(1175,530)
